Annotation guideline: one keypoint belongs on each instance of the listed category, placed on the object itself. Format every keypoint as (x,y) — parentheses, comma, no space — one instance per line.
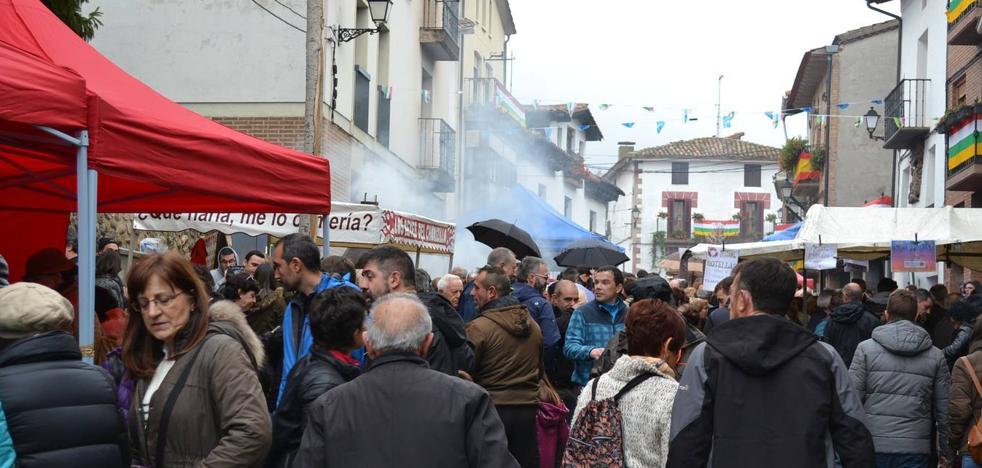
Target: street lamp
(635,216)
(379,9)
(871,119)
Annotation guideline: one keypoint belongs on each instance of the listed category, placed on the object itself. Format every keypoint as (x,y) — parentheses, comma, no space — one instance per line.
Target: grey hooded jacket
(903,381)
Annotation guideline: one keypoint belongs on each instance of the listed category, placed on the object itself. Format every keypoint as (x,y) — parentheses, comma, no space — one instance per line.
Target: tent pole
(450,263)
(87,180)
(326,234)
(417,257)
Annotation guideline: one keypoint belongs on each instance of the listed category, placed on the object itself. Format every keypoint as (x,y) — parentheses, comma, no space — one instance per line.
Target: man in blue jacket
(595,323)
(528,289)
(296,263)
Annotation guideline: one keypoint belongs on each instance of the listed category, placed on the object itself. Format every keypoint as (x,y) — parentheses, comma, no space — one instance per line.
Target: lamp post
(379,9)
(635,216)
(871,119)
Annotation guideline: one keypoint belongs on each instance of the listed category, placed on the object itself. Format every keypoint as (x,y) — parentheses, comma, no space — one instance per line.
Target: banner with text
(719,264)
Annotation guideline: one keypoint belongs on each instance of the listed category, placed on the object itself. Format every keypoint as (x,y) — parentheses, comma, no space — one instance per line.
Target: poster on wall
(820,256)
(719,264)
(913,256)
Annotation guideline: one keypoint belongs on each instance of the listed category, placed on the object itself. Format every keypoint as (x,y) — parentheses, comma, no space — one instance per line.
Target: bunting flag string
(648,108)
(604,107)
(659,126)
(628,124)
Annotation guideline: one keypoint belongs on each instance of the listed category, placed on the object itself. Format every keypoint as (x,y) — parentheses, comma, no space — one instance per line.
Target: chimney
(624,148)
(736,136)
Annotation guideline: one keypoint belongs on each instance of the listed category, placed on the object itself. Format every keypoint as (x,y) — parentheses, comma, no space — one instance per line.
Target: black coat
(401,413)
(763,392)
(849,325)
(310,378)
(449,351)
(60,411)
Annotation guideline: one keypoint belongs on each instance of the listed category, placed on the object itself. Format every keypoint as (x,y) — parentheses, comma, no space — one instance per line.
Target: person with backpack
(197,399)
(623,417)
(965,404)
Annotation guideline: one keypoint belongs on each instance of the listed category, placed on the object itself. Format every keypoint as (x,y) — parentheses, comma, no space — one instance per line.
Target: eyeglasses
(163,301)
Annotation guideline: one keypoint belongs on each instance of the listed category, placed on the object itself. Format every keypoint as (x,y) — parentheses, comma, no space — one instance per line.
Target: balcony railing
(964,149)
(438,152)
(440,30)
(963,18)
(905,113)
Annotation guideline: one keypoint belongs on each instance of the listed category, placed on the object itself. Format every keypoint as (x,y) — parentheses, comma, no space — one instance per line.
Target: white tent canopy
(866,233)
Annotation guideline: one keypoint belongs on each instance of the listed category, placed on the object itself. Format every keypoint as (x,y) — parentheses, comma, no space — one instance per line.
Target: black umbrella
(590,253)
(496,233)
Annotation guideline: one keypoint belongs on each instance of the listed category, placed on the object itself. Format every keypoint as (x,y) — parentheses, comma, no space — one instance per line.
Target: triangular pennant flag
(649,108)
(685,115)
(659,125)
(569,107)
(842,105)
(604,107)
(584,127)
(859,122)
(807,109)
(728,120)
(876,101)
(628,124)
(898,121)
(770,115)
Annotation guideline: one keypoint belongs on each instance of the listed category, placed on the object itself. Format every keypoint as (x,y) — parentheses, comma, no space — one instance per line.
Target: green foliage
(790,152)
(818,157)
(771,218)
(657,247)
(698,217)
(70,13)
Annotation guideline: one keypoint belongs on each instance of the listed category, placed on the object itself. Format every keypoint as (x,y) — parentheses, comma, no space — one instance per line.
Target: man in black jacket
(386,270)
(762,391)
(400,413)
(59,410)
(850,324)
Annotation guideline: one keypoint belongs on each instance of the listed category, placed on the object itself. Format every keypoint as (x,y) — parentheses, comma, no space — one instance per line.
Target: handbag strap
(593,391)
(971,373)
(158,459)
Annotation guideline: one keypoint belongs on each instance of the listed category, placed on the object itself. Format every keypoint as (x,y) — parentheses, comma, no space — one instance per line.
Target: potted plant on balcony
(790,152)
(663,214)
(818,157)
(697,217)
(679,234)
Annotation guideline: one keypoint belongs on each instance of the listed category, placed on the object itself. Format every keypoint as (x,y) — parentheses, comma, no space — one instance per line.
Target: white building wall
(926,18)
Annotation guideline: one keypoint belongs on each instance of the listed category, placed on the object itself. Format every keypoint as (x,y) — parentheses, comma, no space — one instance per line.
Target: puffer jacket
(60,411)
(449,351)
(959,343)
(849,325)
(220,418)
(508,355)
(903,382)
(965,403)
(313,376)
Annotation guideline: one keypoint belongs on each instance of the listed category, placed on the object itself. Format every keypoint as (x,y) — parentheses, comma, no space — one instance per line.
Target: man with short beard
(386,270)
(563,299)
(500,257)
(528,289)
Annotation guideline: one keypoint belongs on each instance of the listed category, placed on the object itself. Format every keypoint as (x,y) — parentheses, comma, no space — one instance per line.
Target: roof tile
(713,148)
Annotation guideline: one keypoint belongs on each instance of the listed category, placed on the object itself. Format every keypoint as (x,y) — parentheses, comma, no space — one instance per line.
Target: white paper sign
(719,265)
(820,257)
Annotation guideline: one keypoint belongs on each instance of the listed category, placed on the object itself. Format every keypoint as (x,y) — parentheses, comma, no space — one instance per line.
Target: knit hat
(29,308)
(651,287)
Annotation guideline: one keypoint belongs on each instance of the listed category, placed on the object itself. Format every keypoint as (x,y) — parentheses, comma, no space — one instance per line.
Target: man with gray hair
(449,288)
(501,258)
(397,397)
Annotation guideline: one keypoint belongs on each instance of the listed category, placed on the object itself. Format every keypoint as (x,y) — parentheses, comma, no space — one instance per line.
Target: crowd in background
(290,359)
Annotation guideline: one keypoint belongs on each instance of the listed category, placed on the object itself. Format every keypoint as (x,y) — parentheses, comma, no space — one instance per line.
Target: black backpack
(597,439)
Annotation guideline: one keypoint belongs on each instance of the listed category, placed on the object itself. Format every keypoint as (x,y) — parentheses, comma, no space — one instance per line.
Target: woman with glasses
(198,400)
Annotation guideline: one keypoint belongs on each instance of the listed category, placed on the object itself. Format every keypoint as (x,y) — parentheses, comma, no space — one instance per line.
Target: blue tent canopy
(787,234)
(549,229)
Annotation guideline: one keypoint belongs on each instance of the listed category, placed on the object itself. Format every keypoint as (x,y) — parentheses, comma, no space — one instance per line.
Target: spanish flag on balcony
(805,169)
(709,228)
(956,8)
(963,141)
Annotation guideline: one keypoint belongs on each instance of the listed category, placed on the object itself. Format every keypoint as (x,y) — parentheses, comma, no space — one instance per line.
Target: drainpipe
(461,95)
(900,47)
(504,59)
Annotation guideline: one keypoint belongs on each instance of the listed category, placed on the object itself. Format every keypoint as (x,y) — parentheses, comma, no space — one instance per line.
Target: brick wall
(288,132)
(960,57)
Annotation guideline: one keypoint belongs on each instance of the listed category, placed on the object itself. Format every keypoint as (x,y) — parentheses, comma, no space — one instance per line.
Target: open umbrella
(496,233)
(590,253)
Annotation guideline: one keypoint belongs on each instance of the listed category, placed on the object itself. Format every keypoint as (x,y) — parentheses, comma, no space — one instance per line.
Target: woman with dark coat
(197,400)
(58,410)
(337,318)
(963,314)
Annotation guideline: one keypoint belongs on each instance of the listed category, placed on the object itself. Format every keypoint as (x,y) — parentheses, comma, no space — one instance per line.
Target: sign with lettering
(915,256)
(719,264)
(820,256)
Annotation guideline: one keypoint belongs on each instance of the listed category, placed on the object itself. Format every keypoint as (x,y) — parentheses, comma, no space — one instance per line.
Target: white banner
(820,256)
(719,265)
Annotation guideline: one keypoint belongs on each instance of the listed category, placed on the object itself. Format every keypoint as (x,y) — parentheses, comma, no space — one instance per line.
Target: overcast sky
(668,54)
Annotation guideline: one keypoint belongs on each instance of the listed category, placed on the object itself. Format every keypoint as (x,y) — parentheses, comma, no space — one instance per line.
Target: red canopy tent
(79,133)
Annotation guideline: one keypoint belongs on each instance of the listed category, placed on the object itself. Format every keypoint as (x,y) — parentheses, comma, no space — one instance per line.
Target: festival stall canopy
(151,154)
(549,229)
(350,224)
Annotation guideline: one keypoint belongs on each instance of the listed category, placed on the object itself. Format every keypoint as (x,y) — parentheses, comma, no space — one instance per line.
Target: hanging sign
(719,265)
(820,256)
(913,256)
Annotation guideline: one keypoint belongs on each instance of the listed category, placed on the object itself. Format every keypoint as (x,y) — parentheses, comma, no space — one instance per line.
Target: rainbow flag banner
(963,141)
(710,228)
(958,7)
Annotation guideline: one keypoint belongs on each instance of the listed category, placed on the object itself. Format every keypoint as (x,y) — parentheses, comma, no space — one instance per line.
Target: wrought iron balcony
(487,97)
(905,110)
(438,153)
(440,31)
(963,22)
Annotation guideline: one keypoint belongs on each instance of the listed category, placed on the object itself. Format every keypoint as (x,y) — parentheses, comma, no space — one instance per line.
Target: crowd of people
(293,360)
